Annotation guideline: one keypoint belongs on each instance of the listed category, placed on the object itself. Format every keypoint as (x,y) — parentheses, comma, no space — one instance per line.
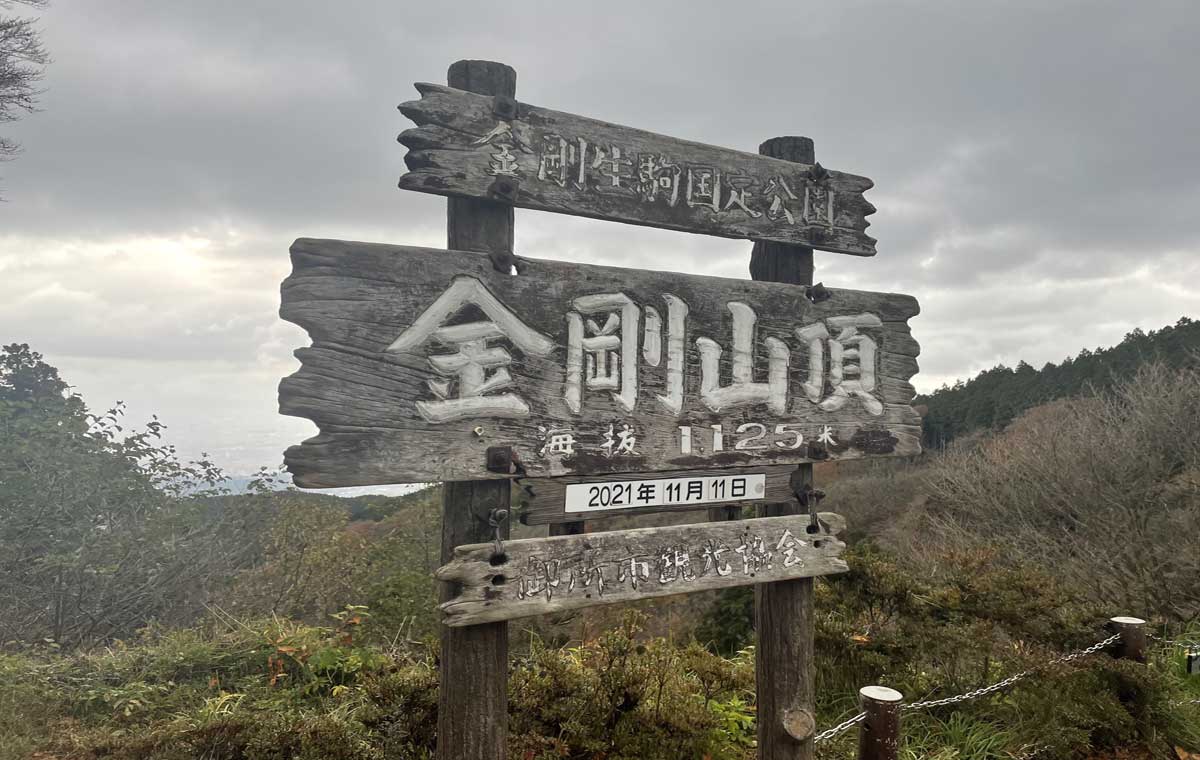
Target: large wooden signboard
(614,391)
(540,575)
(494,147)
(424,359)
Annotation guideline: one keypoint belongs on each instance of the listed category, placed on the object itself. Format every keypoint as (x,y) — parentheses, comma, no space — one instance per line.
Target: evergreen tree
(995,397)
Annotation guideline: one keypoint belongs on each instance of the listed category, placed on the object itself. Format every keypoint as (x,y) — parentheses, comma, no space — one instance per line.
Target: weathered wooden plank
(482,147)
(422,359)
(546,504)
(536,576)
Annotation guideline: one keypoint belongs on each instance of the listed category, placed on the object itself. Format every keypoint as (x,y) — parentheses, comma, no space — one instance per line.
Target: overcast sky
(1035,168)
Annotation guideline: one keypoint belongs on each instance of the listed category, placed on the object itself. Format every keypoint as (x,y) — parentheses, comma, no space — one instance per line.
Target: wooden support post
(879,735)
(780,262)
(1132,645)
(473,702)
(783,611)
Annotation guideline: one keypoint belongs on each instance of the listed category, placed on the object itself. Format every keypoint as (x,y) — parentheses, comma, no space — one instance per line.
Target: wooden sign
(535,576)
(424,359)
(567,499)
(494,147)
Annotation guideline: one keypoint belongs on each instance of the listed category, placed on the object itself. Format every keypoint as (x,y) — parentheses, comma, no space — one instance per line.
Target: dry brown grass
(1104,491)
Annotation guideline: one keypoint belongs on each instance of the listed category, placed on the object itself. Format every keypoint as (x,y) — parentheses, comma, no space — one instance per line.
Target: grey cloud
(1031,161)
(171,114)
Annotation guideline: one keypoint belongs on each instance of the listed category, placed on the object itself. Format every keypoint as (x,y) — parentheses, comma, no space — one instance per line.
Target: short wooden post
(783,611)
(1132,645)
(879,734)
(473,701)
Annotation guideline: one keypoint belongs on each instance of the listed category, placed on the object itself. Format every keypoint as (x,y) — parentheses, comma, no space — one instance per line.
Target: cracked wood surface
(536,576)
(472,145)
(356,299)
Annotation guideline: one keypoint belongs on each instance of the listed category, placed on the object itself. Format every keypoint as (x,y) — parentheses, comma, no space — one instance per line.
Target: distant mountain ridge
(994,397)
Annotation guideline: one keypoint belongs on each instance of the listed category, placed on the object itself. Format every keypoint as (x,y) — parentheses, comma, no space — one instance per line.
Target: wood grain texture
(356,299)
(783,623)
(473,698)
(545,506)
(783,612)
(879,733)
(780,262)
(536,576)
(475,146)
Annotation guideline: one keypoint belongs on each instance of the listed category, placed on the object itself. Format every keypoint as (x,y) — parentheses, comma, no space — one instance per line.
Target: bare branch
(22,58)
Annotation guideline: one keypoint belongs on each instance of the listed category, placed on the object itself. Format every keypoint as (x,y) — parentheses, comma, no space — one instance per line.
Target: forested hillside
(999,395)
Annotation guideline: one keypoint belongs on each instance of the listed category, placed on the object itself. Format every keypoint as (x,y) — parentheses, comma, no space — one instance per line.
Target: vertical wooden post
(879,735)
(473,702)
(780,262)
(1132,645)
(783,611)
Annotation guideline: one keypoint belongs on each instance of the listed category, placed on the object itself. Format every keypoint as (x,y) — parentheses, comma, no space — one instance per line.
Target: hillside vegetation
(146,615)
(995,397)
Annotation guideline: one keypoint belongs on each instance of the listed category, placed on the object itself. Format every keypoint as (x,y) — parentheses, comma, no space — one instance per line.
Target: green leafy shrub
(276,690)
(621,698)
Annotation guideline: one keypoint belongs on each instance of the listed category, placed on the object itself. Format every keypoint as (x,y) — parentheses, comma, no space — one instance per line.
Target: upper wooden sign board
(495,147)
(423,359)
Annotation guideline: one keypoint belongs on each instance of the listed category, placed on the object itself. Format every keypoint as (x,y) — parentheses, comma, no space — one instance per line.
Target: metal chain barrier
(840,728)
(999,685)
(1189,644)
(980,692)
